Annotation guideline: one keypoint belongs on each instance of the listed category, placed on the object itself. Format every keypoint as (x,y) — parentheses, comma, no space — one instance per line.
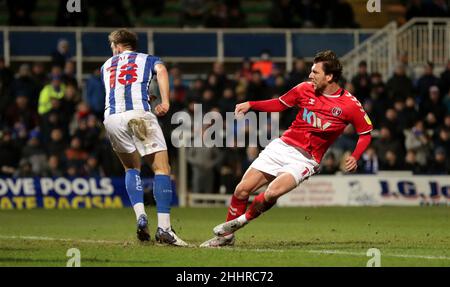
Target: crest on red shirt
(336,111)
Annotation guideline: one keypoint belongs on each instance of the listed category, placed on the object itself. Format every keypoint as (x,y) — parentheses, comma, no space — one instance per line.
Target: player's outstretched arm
(273,105)
(163,84)
(351,163)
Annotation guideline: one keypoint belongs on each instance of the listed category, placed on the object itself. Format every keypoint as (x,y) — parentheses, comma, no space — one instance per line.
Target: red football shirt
(322,118)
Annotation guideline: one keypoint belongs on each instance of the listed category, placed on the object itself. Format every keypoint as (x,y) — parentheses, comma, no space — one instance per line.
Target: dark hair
(124,37)
(331,64)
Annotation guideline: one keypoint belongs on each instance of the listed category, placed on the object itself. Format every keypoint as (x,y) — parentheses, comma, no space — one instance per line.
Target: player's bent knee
(273,192)
(242,190)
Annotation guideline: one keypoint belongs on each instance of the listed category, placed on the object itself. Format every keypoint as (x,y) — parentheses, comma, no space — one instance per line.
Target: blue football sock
(162,191)
(134,186)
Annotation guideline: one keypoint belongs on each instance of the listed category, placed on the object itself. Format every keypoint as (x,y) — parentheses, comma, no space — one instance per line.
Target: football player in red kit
(325,109)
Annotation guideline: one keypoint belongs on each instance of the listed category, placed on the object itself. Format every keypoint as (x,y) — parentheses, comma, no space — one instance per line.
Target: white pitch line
(44,238)
(388,255)
(337,252)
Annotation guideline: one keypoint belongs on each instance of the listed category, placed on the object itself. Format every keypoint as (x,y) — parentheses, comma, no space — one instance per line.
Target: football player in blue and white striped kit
(134,131)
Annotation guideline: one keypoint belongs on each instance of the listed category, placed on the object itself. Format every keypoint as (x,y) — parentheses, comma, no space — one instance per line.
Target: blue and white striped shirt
(127,78)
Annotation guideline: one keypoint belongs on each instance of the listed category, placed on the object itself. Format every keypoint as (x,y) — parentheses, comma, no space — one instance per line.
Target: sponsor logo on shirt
(312,119)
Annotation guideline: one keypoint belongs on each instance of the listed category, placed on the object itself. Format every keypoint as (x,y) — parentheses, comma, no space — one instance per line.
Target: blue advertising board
(68,193)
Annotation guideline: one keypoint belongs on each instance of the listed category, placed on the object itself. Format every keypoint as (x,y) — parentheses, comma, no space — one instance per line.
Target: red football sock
(258,206)
(237,207)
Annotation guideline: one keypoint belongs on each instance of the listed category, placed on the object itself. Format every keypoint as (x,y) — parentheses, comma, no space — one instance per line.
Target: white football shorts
(279,157)
(123,138)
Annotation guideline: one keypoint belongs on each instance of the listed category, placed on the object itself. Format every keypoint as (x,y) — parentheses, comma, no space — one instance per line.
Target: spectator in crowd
(53,168)
(212,83)
(10,154)
(391,161)
(24,170)
(178,94)
(378,95)
(221,76)
(57,144)
(6,78)
(24,84)
(92,168)
(227,102)
(403,59)
(21,112)
(245,71)
(440,163)
(298,74)
(391,122)
(95,97)
(39,76)
(76,155)
(264,65)
(411,163)
(54,90)
(410,113)
(369,161)
(442,139)
(399,86)
(34,153)
(62,53)
(257,88)
(20,12)
(203,160)
(69,77)
(433,104)
(69,102)
(427,80)
(417,140)
(330,165)
(346,142)
(386,142)
(361,82)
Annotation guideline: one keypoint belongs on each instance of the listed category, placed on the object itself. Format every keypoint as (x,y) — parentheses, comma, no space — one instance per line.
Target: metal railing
(422,39)
(291,40)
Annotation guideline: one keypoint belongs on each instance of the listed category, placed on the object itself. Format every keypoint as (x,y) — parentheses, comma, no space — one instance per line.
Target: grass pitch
(326,236)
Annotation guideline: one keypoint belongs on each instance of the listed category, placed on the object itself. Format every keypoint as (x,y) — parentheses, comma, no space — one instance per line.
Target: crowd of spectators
(197,13)
(50,125)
